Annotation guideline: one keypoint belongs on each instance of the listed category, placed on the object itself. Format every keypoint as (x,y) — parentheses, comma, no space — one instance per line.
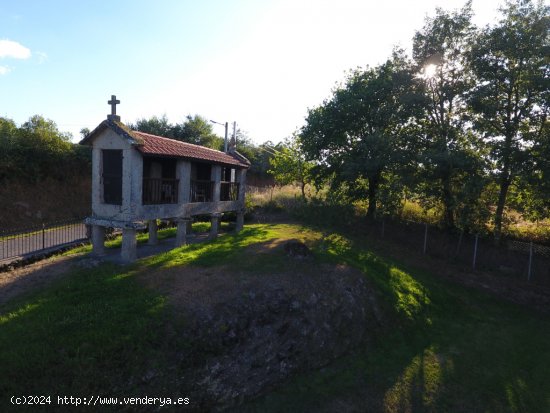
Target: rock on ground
(262,329)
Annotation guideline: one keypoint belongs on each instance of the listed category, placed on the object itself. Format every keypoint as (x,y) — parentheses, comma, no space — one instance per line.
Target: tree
(510,100)
(155,126)
(84,132)
(198,130)
(195,129)
(38,150)
(358,135)
(245,146)
(288,165)
(539,178)
(8,135)
(449,152)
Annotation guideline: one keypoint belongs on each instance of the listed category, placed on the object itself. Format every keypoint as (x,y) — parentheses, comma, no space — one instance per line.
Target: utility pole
(226,125)
(225,139)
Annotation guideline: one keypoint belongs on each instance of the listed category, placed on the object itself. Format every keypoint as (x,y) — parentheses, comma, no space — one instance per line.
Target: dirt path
(34,276)
(39,274)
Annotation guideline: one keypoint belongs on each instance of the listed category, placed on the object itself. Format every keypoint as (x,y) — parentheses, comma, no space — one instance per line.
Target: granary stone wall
(117,194)
(132,172)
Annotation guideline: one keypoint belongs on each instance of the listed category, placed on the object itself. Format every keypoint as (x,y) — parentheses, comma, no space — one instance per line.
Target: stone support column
(153,233)
(97,188)
(98,240)
(240,221)
(216,177)
(129,245)
(183,173)
(241,179)
(214,225)
(181,232)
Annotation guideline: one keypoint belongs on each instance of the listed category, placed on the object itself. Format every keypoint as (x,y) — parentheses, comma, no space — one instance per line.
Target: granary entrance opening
(111,174)
(202,185)
(229,189)
(160,185)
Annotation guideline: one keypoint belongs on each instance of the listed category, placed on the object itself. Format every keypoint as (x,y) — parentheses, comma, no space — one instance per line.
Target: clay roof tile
(157,145)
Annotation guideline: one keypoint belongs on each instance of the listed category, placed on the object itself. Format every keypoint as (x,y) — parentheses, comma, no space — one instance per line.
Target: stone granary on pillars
(138,178)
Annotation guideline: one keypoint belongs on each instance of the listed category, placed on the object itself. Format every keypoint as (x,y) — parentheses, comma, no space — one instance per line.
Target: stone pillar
(216,177)
(181,232)
(97,188)
(240,221)
(153,233)
(129,245)
(241,179)
(127,209)
(214,225)
(98,240)
(136,183)
(183,173)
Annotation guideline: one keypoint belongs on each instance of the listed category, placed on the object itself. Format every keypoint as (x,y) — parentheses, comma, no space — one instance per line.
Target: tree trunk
(505,180)
(448,204)
(374,182)
(303,187)
(448,207)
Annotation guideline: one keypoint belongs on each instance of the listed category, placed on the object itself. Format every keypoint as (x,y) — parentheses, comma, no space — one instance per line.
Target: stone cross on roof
(113,102)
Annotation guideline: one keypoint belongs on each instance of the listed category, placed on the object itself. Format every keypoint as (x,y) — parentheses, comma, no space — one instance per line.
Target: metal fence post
(425,237)
(43,236)
(475,253)
(530,261)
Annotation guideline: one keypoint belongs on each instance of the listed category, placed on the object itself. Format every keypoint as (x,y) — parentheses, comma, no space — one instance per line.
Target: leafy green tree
(84,132)
(198,130)
(8,134)
(450,167)
(38,150)
(195,129)
(357,136)
(42,149)
(289,165)
(155,126)
(245,146)
(510,100)
(539,178)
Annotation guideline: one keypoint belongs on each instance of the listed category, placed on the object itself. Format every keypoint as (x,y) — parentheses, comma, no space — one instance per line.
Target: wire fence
(523,260)
(24,242)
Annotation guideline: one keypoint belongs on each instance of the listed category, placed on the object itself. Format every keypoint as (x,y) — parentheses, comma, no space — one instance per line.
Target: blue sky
(260,63)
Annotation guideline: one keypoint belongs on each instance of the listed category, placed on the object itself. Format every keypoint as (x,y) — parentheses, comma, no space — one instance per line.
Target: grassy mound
(100,332)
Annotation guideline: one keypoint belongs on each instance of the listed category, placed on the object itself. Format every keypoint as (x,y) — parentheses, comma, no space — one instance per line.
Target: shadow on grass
(98,331)
(445,348)
(90,333)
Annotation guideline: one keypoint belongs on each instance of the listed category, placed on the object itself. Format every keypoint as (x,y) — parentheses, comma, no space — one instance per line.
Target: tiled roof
(149,144)
(157,145)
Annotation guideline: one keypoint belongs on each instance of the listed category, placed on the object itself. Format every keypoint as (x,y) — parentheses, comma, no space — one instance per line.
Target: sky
(259,63)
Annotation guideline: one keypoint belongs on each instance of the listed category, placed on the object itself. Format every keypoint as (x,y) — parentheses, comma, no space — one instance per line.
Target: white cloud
(9,48)
(4,70)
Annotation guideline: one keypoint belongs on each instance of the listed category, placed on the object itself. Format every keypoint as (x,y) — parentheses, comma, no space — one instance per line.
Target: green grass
(446,349)
(443,348)
(142,238)
(92,331)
